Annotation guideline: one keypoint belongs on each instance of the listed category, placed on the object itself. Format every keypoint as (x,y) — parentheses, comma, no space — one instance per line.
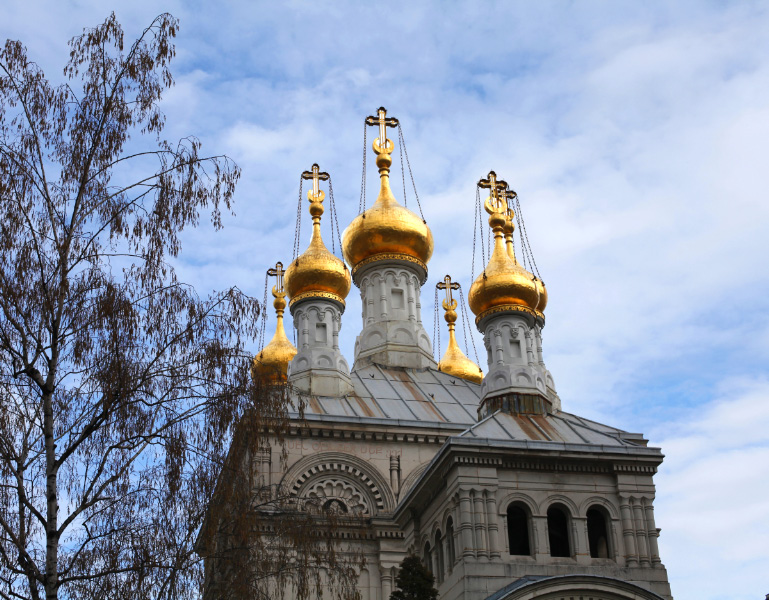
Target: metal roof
(431,397)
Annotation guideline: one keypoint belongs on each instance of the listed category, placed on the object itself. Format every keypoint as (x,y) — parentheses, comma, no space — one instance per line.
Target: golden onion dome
(454,361)
(504,285)
(387,230)
(542,297)
(317,273)
(271,364)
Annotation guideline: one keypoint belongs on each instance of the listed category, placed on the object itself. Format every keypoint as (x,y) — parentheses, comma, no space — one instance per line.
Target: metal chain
(526,236)
(466,330)
(362,201)
(436,326)
(334,217)
(411,173)
(403,171)
(298,229)
(263,325)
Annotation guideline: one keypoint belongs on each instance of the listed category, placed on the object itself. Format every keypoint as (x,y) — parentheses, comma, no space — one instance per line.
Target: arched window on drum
(558,531)
(518,530)
(598,532)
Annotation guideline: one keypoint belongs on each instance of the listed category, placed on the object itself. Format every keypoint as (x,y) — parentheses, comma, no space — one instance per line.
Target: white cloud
(713,494)
(635,134)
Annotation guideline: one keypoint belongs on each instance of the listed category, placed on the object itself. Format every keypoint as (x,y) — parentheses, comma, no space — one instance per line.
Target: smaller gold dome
(271,364)
(508,230)
(387,230)
(317,273)
(542,297)
(504,284)
(454,361)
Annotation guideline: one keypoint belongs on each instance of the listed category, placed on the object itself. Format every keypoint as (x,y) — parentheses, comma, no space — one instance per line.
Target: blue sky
(634,133)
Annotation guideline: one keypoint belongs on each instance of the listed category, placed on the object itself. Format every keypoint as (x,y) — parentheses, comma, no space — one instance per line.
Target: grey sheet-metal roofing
(430,397)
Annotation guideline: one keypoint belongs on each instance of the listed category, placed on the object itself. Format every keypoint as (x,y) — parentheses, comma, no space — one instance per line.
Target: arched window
(450,543)
(597,533)
(439,556)
(428,557)
(558,531)
(518,530)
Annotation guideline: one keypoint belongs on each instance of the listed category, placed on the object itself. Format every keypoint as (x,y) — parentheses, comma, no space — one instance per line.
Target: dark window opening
(558,532)
(518,531)
(450,543)
(335,506)
(597,534)
(428,557)
(439,556)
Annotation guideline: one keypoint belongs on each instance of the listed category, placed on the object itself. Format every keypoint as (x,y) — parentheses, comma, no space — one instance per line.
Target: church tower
(317,283)
(388,248)
(481,473)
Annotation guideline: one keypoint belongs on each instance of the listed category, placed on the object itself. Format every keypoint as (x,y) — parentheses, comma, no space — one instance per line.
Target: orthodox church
(502,493)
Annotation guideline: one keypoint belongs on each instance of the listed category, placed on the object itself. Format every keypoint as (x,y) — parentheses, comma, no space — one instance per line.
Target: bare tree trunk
(52,513)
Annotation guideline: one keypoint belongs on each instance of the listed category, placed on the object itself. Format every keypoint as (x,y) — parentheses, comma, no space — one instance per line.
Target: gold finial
(272,361)
(277,272)
(508,195)
(454,361)
(316,195)
(496,203)
(317,273)
(382,145)
(504,284)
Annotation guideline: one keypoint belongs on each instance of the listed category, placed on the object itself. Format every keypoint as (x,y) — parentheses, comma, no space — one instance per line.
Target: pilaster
(392,334)
(319,367)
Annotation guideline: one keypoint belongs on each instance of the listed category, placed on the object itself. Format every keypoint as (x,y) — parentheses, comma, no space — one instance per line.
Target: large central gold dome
(317,273)
(387,230)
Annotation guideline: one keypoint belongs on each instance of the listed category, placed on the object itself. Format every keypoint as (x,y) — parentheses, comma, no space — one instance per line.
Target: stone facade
(392,334)
(319,367)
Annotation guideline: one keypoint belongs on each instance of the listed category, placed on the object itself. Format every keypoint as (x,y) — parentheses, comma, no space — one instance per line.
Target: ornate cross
(277,272)
(448,285)
(317,176)
(383,122)
(507,195)
(498,189)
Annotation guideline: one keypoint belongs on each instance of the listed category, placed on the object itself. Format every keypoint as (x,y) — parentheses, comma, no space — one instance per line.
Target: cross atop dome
(383,122)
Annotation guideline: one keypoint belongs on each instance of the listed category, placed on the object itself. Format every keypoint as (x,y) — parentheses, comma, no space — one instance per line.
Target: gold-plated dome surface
(504,284)
(271,364)
(454,362)
(387,230)
(317,273)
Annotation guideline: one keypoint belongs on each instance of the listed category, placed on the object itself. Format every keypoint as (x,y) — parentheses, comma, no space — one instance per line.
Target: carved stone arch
(448,512)
(601,501)
(412,477)
(560,586)
(521,498)
(560,499)
(346,466)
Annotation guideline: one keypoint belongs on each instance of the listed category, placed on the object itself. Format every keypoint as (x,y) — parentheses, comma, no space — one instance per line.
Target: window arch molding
(339,464)
(572,510)
(520,498)
(600,500)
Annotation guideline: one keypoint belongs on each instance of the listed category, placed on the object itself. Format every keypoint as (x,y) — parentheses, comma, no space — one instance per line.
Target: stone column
(628,532)
(652,533)
(387,580)
(492,518)
(481,548)
(465,523)
(411,302)
(640,529)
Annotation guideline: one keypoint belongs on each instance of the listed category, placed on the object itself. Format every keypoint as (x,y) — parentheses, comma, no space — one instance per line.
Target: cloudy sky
(636,137)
